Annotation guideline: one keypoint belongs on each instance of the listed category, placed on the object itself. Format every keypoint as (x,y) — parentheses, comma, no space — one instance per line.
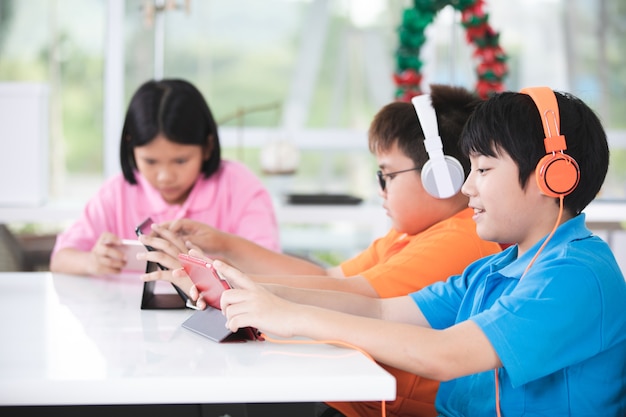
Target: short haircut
(172,108)
(510,122)
(397,122)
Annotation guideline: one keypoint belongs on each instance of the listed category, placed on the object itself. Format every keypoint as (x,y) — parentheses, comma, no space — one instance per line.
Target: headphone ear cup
(557,175)
(429,178)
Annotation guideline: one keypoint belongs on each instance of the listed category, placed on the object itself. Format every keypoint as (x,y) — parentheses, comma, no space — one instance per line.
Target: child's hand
(166,254)
(166,251)
(105,256)
(173,243)
(198,235)
(250,305)
(194,294)
(175,274)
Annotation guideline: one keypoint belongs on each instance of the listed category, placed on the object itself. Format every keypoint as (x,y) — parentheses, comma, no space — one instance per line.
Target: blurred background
(303,77)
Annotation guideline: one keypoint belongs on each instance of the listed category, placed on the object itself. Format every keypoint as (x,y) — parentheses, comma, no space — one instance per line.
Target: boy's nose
(467,188)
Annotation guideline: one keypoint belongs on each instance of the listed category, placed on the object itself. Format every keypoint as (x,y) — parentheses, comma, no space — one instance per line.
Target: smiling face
(170,167)
(503,211)
(409,206)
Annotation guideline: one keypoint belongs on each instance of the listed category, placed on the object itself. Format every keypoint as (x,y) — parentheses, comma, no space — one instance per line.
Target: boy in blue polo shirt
(538,329)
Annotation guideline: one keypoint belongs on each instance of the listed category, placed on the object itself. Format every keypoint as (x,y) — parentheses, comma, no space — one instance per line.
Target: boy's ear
(557,174)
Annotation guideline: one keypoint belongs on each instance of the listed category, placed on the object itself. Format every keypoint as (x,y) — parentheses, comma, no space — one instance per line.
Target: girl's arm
(104,258)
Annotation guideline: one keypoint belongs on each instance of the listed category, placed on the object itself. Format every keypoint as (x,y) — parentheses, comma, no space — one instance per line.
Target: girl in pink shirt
(171,169)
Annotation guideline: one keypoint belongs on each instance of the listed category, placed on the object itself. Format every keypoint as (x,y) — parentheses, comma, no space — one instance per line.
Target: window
(309,64)
(309,72)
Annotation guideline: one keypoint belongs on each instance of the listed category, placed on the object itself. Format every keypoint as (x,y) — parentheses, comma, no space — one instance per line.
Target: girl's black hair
(175,109)
(510,122)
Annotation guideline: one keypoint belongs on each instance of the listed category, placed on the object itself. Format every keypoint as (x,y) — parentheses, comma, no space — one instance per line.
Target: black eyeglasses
(381,177)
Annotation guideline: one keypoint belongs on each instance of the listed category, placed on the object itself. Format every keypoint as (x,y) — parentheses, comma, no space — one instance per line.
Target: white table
(69,340)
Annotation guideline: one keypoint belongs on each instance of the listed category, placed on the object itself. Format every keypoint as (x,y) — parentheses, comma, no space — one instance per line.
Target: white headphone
(442,175)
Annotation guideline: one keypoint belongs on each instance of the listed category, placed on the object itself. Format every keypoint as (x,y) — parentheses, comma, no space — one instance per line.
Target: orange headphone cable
(532,261)
(556,225)
(328,342)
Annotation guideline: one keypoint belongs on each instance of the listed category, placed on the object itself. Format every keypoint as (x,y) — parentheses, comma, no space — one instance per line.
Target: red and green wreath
(491,68)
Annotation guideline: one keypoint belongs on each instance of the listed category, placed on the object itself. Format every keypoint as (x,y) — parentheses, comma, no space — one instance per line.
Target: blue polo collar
(509,265)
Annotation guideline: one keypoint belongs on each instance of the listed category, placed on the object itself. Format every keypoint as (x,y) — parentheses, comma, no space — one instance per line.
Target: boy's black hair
(397,122)
(510,122)
(175,109)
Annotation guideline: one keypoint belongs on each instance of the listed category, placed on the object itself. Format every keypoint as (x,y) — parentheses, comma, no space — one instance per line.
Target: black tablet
(150,299)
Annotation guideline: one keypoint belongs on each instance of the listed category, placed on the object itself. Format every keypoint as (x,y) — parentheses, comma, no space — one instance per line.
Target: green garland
(491,69)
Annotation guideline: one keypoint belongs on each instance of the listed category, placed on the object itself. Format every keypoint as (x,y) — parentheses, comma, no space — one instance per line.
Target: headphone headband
(546,103)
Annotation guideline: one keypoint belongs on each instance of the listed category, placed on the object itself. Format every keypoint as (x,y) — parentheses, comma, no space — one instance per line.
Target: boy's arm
(342,301)
(356,284)
(237,251)
(392,330)
(264,265)
(460,350)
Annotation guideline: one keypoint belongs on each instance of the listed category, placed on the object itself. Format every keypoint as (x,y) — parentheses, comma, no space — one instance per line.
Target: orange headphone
(557,173)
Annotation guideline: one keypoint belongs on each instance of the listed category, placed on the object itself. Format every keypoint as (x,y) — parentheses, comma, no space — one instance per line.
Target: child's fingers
(194,293)
(199,254)
(175,226)
(179,273)
(171,237)
(235,278)
(109,239)
(192,246)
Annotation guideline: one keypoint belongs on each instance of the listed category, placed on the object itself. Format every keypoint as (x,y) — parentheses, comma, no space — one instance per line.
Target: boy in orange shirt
(431,237)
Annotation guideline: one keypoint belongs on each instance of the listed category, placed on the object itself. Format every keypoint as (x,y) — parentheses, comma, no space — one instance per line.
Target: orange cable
(532,261)
(558,220)
(497,394)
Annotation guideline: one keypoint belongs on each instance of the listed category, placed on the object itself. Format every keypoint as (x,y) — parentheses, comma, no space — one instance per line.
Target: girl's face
(504,212)
(409,206)
(171,168)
